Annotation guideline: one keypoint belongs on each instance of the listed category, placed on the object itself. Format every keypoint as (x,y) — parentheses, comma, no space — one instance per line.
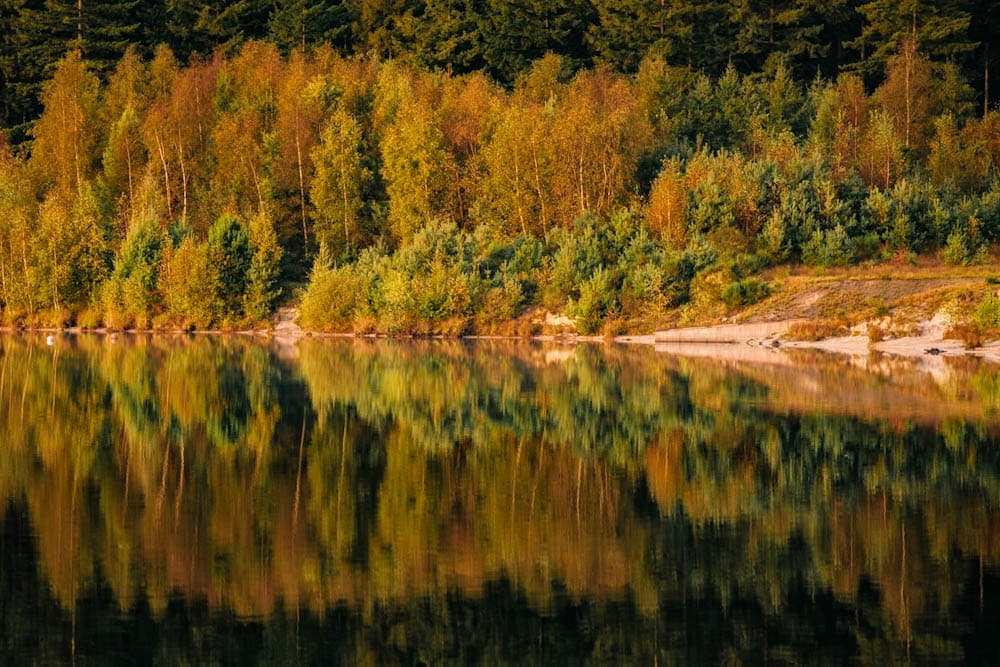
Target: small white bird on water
(50,340)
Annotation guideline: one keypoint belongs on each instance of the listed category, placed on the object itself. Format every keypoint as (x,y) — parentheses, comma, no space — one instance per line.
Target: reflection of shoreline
(874,386)
(689,341)
(425,466)
(927,389)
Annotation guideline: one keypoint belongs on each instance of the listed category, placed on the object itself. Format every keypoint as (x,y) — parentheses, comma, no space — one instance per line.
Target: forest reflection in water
(224,499)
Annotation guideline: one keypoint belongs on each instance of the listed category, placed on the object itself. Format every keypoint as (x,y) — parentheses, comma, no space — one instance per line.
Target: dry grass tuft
(877,334)
(817,330)
(970,335)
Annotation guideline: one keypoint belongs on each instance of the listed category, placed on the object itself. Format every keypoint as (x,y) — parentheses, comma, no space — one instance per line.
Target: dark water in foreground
(217,500)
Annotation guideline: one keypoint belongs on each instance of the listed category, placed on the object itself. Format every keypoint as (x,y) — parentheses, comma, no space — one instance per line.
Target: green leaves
(339,180)
(230,255)
(263,288)
(130,296)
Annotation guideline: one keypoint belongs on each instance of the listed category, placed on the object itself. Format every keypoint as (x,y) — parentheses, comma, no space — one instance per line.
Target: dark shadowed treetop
(502,38)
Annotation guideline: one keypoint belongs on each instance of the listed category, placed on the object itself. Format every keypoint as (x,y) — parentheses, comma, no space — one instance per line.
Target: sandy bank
(764,342)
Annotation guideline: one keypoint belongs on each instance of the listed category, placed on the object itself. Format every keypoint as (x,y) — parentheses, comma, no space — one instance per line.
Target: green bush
(189,285)
(831,247)
(262,290)
(956,250)
(231,255)
(330,302)
(988,210)
(432,279)
(130,295)
(502,303)
(746,266)
(431,285)
(987,316)
(644,289)
(745,292)
(578,253)
(598,298)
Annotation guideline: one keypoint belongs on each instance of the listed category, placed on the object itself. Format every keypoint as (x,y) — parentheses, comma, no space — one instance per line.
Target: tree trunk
(771,31)
(909,54)
(517,190)
(184,178)
(256,182)
(538,189)
(79,28)
(986,81)
(166,174)
(302,184)
(343,191)
(24,261)
(128,163)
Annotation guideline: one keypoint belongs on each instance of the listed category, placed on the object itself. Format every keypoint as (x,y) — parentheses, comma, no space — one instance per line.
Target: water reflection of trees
(373,474)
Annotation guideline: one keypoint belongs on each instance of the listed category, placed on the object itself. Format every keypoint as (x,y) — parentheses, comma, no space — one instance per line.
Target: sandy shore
(764,342)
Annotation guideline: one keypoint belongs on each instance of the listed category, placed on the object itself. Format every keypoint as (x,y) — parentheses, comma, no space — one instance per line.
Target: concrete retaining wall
(724,333)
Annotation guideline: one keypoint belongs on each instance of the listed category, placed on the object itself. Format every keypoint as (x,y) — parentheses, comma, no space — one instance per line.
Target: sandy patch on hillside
(816,298)
(928,339)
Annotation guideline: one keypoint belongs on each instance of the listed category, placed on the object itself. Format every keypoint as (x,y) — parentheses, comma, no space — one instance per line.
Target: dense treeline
(502,38)
(416,200)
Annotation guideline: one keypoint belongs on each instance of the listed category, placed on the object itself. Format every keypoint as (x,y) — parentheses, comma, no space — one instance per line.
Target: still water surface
(220,500)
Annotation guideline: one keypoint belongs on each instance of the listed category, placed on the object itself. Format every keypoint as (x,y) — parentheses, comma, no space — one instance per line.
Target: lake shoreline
(906,312)
(727,341)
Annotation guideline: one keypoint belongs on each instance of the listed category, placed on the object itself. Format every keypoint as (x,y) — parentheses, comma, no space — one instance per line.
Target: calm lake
(225,500)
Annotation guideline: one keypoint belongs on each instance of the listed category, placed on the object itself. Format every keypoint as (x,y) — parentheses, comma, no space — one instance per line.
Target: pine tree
(26,62)
(448,36)
(99,30)
(36,34)
(792,30)
(231,255)
(983,67)
(516,34)
(940,29)
(686,41)
(262,289)
(151,17)
(626,30)
(230,23)
(181,29)
(299,24)
(130,295)
(386,27)
(201,26)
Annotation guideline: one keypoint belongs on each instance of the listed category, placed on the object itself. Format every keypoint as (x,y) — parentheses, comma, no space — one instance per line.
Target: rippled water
(225,500)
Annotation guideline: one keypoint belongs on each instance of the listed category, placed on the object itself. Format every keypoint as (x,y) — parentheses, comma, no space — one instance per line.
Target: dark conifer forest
(407,166)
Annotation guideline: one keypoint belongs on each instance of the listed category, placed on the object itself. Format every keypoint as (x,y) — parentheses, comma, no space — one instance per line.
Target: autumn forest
(447,167)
